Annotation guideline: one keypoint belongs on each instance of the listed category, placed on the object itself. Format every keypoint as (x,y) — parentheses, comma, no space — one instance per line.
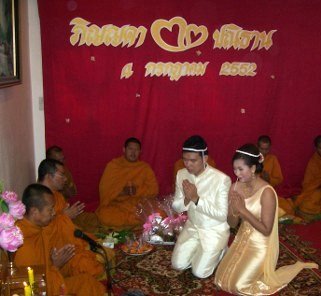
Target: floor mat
(153,275)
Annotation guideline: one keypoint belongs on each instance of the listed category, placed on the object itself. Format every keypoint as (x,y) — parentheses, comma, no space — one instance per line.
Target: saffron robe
(116,210)
(69,189)
(84,260)
(272,166)
(309,201)
(36,249)
(86,221)
(60,202)
(249,266)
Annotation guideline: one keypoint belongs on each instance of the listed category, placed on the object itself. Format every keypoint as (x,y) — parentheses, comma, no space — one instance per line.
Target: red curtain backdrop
(90,111)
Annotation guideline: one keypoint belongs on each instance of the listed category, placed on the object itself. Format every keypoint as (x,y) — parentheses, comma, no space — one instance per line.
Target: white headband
(194,150)
(247,153)
(260,155)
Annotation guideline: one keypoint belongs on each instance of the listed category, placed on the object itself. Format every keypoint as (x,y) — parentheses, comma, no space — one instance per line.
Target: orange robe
(86,221)
(69,189)
(84,260)
(309,201)
(273,168)
(36,249)
(116,210)
(60,202)
(179,164)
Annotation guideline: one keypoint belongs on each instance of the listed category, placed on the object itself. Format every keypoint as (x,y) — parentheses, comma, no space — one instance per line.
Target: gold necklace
(248,192)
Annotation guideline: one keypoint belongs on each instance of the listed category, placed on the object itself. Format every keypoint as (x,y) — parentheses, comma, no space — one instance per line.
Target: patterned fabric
(153,274)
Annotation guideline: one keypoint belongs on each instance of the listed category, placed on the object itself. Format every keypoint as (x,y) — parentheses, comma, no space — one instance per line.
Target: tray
(160,243)
(133,251)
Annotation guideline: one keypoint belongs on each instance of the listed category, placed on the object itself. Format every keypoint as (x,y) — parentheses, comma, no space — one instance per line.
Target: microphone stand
(100,250)
(109,284)
(97,249)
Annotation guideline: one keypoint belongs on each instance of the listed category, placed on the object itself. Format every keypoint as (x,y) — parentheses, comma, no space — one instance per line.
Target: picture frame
(9,43)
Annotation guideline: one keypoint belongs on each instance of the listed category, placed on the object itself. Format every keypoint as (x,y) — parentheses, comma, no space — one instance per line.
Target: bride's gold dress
(248,268)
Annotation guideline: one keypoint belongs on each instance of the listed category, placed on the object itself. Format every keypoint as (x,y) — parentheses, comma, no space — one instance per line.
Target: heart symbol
(184,34)
(160,24)
(195,30)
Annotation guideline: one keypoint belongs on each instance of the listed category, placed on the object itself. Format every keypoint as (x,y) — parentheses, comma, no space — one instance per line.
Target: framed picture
(9,43)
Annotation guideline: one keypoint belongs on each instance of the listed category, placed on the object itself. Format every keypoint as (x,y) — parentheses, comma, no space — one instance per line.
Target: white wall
(38,117)
(21,123)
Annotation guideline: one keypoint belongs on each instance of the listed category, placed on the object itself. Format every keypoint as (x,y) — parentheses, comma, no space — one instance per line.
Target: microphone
(93,245)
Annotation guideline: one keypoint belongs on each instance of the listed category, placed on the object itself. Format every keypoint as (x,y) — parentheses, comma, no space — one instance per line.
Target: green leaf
(100,235)
(1,187)
(4,206)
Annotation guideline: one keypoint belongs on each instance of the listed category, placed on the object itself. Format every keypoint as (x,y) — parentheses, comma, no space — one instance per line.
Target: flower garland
(11,237)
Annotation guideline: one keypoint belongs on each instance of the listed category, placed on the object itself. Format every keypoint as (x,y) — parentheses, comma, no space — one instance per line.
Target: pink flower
(6,221)
(9,196)
(167,221)
(155,217)
(147,227)
(181,219)
(17,209)
(11,239)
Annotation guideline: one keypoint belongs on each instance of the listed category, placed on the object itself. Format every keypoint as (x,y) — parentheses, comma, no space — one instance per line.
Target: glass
(40,287)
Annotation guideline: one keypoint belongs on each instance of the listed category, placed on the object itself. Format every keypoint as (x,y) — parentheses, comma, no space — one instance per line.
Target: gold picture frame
(9,43)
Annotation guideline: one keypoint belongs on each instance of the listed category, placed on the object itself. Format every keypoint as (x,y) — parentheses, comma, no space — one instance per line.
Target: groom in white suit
(202,191)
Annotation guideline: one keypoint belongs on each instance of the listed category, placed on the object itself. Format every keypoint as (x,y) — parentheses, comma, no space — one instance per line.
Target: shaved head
(33,197)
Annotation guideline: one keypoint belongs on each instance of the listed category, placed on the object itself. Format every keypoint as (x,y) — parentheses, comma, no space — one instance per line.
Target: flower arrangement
(12,209)
(111,238)
(159,230)
(162,225)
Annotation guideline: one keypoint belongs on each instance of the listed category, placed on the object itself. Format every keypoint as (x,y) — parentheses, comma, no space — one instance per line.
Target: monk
(272,173)
(45,244)
(179,164)
(87,221)
(308,203)
(125,183)
(69,190)
(51,175)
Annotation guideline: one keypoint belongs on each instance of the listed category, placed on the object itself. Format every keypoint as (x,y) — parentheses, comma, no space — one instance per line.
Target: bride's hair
(251,156)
